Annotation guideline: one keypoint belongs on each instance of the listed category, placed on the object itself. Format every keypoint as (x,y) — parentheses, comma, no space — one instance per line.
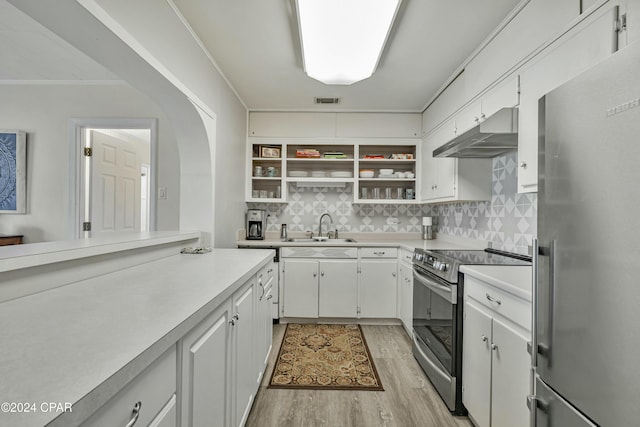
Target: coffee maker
(256,224)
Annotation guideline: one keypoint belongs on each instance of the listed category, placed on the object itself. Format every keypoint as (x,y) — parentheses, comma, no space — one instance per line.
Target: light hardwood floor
(408,398)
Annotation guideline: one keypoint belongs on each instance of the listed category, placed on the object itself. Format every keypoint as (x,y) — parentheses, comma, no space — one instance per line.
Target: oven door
(434,316)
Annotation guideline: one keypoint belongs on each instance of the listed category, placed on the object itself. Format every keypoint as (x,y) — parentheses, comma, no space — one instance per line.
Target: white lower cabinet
(496,368)
(245,365)
(223,359)
(206,371)
(320,287)
(149,398)
(338,288)
(378,288)
(266,284)
(405,294)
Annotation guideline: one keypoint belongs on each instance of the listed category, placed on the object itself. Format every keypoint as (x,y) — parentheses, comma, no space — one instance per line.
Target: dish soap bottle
(283,232)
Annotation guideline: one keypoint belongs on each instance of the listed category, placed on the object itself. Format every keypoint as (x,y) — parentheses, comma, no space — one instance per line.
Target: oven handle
(448,293)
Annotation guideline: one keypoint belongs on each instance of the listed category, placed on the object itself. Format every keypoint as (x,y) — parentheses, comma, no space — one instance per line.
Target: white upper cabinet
(378,125)
(335,125)
(281,124)
(591,41)
(536,23)
(444,105)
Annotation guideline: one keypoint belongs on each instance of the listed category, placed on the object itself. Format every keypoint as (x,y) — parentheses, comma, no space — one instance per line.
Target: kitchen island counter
(83,342)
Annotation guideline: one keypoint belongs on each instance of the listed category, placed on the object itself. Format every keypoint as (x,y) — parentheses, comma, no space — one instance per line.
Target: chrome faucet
(320,224)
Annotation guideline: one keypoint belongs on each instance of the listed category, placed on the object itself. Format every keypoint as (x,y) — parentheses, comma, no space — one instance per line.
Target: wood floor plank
(409,398)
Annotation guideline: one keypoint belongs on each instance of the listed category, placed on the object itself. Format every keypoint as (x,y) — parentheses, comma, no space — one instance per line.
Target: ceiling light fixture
(342,40)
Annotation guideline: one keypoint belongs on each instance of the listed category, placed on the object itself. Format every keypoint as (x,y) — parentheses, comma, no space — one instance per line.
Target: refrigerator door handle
(534,403)
(532,346)
(544,349)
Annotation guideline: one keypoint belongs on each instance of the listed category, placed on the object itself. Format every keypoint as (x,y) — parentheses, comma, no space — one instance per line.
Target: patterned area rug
(326,357)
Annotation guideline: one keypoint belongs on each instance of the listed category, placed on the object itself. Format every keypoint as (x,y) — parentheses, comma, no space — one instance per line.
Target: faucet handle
(335,233)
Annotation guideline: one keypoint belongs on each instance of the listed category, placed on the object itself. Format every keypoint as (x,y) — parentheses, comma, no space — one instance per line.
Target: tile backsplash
(508,220)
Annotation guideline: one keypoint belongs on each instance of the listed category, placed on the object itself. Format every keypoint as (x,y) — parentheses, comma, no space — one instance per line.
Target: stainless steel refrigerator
(587,292)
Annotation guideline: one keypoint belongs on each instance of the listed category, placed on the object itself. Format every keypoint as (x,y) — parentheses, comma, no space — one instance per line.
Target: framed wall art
(13,155)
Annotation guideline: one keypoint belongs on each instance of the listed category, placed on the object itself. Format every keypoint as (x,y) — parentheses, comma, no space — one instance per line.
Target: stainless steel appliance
(256,224)
(438,312)
(586,339)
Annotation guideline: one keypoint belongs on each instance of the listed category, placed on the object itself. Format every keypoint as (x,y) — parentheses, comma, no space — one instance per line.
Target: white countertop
(15,257)
(408,241)
(516,280)
(60,345)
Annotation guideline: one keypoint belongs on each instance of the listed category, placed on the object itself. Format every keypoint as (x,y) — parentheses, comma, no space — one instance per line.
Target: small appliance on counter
(256,224)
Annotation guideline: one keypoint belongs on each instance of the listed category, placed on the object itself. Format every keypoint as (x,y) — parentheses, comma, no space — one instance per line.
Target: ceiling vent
(326,100)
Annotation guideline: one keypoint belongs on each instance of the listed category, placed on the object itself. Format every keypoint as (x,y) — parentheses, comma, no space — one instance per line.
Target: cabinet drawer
(265,276)
(406,256)
(379,252)
(513,308)
(316,252)
(154,388)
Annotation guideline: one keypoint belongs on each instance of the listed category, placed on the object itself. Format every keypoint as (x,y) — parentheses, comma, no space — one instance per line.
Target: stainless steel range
(437,314)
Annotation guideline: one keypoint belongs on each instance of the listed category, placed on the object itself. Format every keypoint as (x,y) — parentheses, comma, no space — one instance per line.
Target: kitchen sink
(316,240)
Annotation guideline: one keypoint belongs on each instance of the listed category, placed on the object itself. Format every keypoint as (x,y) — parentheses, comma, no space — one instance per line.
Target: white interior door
(115,184)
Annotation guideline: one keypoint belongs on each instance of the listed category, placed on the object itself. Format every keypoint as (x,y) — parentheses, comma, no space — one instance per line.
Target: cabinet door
(588,43)
(468,117)
(206,367)
(264,324)
(505,94)
(246,370)
(378,288)
(445,177)
(338,288)
(166,417)
(511,377)
(300,288)
(476,365)
(293,124)
(378,125)
(405,295)
(438,174)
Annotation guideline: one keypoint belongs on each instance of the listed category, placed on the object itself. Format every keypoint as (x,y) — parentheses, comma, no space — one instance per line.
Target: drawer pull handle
(379,253)
(492,299)
(134,414)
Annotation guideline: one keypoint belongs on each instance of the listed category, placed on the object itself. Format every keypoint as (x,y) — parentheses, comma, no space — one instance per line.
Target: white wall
(43,111)
(163,36)
(146,44)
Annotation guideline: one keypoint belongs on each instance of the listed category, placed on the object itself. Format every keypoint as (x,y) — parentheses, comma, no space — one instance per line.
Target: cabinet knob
(322,273)
(236,316)
(315,274)
(269,297)
(484,338)
(482,116)
(476,119)
(522,164)
(393,274)
(494,346)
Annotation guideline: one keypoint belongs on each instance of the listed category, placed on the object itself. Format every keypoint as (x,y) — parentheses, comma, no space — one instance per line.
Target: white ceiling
(29,51)
(255,44)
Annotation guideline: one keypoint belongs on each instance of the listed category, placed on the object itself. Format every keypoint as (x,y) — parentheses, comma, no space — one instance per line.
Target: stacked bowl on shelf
(386,174)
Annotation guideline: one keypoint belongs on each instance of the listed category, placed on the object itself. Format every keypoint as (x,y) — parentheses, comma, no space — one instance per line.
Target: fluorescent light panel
(342,40)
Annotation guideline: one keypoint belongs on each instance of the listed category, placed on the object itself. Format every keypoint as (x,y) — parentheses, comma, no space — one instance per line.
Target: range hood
(495,135)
